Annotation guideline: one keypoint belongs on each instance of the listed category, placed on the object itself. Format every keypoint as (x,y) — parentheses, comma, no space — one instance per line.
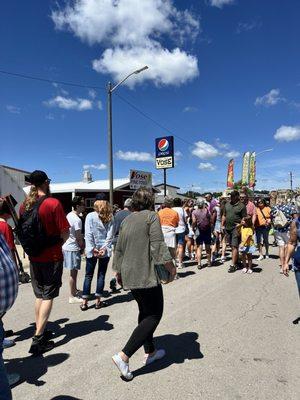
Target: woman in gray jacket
(140,247)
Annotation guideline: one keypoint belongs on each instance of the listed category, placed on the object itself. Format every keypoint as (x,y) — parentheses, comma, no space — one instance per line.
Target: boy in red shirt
(46,268)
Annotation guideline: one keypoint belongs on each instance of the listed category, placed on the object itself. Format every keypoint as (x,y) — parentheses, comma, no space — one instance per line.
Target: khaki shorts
(282,238)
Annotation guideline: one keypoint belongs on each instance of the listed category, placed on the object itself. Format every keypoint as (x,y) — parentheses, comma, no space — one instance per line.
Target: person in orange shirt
(263,226)
(169,220)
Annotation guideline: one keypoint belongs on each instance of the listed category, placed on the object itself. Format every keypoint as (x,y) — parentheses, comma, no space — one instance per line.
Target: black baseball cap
(37,178)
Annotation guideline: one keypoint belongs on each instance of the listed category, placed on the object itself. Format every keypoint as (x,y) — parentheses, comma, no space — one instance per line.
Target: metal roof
(95,186)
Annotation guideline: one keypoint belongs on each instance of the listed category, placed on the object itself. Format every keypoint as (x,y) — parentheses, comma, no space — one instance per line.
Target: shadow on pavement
(185,274)
(256,269)
(31,369)
(82,328)
(179,348)
(27,333)
(62,397)
(121,298)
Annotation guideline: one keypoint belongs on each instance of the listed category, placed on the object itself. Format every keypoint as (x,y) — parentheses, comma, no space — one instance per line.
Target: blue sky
(223,77)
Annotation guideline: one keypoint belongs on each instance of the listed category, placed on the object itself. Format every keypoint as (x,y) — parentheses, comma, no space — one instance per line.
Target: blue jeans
(5,392)
(89,273)
(262,232)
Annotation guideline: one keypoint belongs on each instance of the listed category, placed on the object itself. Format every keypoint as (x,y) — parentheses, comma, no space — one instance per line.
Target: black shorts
(46,279)
(233,237)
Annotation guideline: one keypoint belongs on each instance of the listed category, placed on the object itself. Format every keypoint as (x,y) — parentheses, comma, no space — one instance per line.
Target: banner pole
(165,182)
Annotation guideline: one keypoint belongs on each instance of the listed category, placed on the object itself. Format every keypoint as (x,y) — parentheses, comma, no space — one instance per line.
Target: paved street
(228,336)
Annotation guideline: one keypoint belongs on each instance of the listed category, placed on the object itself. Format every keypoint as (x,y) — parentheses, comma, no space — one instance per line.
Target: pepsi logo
(163,145)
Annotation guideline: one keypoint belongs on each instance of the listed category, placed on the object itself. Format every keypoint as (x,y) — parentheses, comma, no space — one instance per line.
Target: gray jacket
(140,246)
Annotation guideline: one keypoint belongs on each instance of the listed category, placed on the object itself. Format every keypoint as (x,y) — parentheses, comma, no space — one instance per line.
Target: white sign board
(139,179)
(164,162)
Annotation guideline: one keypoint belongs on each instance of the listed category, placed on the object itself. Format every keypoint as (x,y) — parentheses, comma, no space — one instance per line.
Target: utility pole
(291,180)
(110,145)
(110,89)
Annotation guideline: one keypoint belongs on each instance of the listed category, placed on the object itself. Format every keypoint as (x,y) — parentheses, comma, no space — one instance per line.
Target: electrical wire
(152,119)
(50,80)
(133,106)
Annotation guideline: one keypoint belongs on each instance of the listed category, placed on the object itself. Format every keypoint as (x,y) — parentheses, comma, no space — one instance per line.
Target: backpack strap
(262,213)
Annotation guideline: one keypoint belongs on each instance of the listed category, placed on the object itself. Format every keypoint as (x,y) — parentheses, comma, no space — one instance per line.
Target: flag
(252,169)
(230,176)
(245,171)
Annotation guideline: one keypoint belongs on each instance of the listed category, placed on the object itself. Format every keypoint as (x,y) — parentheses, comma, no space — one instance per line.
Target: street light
(264,151)
(110,90)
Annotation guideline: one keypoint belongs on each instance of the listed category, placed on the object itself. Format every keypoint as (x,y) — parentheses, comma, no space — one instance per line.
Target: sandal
(102,304)
(83,307)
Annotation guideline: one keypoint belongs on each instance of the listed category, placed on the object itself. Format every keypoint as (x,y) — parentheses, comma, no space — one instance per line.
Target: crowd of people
(142,242)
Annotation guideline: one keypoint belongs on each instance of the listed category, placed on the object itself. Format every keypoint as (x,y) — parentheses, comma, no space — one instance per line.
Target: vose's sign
(164,151)
(139,179)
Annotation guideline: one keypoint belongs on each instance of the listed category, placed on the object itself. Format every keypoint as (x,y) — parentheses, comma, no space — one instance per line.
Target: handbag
(162,273)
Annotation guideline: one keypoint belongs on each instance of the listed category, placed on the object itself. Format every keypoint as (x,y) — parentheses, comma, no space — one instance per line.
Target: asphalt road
(227,336)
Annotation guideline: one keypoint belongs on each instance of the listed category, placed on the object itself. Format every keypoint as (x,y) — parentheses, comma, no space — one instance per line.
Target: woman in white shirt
(181,230)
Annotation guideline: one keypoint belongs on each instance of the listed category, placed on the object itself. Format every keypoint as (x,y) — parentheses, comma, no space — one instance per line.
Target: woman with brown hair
(140,247)
(98,239)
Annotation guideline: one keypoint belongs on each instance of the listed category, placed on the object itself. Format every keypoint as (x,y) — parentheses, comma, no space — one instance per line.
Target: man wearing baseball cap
(46,265)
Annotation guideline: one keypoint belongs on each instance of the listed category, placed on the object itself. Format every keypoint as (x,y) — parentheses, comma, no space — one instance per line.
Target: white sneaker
(8,343)
(260,258)
(244,270)
(180,266)
(159,354)
(74,300)
(267,257)
(123,367)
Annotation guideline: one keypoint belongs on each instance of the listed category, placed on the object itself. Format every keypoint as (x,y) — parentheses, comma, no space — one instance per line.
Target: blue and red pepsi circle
(163,145)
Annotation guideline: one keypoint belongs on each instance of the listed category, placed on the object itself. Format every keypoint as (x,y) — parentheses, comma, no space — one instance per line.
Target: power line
(34,78)
(152,119)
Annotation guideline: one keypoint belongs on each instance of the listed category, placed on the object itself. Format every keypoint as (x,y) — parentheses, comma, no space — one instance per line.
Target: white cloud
(132,32)
(166,67)
(207,166)
(220,145)
(190,109)
(205,151)
(49,116)
(92,93)
(270,99)
(99,105)
(220,3)
(287,133)
(13,109)
(100,167)
(232,154)
(248,26)
(68,103)
(178,155)
(134,156)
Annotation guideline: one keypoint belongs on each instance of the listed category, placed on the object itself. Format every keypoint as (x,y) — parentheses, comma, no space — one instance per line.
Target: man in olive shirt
(234,212)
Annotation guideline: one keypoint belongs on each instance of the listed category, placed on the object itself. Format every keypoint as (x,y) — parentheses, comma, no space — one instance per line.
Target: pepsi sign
(164,150)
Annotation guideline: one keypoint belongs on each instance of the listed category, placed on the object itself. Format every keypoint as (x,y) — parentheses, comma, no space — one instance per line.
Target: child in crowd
(247,247)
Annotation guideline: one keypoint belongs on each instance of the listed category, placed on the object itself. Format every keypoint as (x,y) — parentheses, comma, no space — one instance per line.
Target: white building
(12,181)
(171,191)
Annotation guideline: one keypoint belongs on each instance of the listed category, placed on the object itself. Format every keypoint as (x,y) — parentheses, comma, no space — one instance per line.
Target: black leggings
(151,305)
